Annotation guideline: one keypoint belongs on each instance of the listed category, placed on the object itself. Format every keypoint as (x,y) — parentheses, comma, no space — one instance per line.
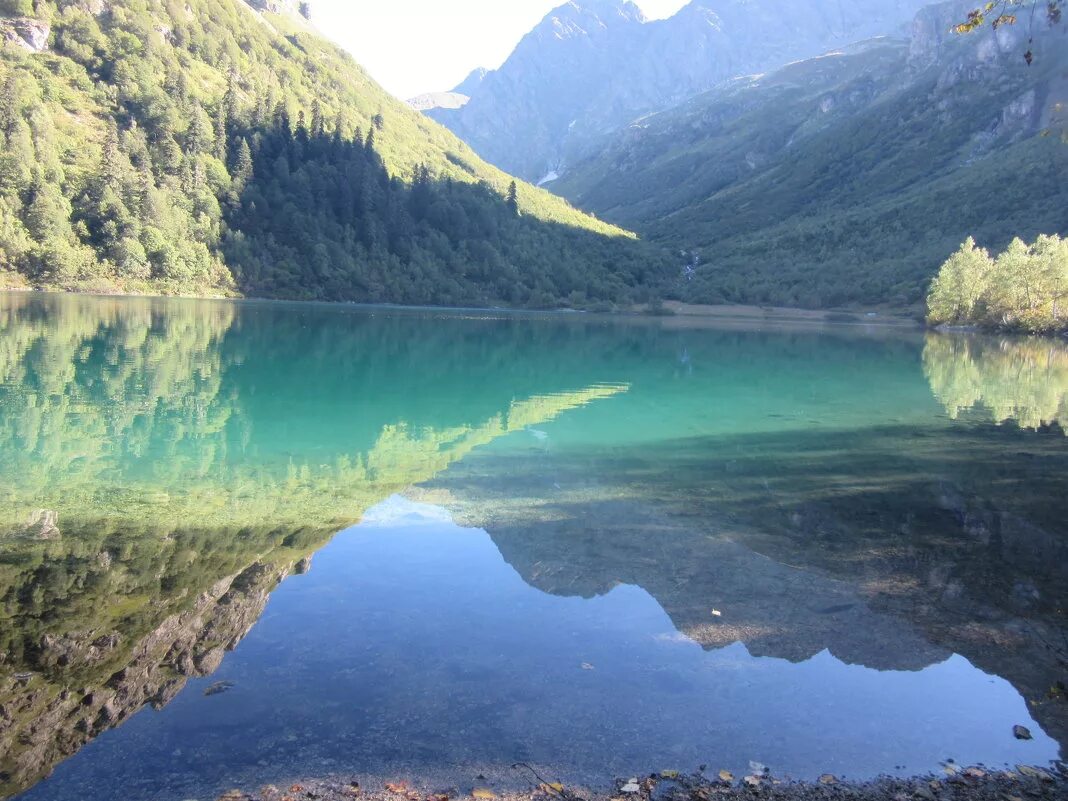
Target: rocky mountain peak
(588,17)
(591,67)
(608,10)
(471,83)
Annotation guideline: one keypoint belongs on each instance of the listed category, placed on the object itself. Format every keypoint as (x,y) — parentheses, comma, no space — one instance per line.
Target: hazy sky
(416,46)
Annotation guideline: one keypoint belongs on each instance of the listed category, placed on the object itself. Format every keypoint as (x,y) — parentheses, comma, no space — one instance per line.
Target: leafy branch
(1001,12)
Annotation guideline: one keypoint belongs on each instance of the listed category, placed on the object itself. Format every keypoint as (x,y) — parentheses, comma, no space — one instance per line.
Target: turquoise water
(245,543)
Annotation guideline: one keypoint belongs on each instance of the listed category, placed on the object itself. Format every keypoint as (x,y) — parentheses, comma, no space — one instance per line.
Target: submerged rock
(218,688)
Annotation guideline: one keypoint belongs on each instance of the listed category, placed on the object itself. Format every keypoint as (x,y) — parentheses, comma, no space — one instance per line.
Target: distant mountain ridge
(848,178)
(592,66)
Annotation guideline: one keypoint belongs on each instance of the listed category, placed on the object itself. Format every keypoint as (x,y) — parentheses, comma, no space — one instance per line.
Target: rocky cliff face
(25,33)
(592,66)
(47,714)
(301,7)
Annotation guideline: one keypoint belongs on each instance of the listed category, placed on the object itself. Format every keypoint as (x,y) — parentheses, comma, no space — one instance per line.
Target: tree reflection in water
(145,522)
(1019,380)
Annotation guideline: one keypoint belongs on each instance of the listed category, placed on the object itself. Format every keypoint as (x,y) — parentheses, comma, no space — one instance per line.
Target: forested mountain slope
(592,66)
(849,178)
(222,146)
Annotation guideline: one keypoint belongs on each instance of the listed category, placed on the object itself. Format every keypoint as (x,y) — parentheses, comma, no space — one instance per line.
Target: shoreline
(670,313)
(956,784)
(892,318)
(673,310)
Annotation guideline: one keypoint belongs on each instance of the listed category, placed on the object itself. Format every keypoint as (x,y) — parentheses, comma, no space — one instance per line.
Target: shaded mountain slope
(848,178)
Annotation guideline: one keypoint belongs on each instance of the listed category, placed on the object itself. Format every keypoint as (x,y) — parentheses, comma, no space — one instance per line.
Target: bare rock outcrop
(26,33)
(301,7)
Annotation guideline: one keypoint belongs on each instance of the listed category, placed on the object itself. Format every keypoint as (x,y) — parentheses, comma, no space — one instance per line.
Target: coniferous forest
(206,148)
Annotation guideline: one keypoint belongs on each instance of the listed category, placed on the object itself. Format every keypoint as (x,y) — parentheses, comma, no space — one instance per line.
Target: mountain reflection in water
(447,658)
(167,463)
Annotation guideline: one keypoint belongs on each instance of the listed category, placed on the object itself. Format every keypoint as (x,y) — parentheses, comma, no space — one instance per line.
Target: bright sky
(416,46)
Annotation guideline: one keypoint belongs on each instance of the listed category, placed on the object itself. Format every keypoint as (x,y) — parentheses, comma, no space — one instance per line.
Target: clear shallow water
(540,518)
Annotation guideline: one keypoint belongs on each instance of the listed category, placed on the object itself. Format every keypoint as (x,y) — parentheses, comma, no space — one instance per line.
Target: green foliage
(963,280)
(16,8)
(164,147)
(1025,288)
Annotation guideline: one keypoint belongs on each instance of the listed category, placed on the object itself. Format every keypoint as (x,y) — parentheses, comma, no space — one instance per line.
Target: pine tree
(181,89)
(221,126)
(110,167)
(196,137)
(422,193)
(145,185)
(17,158)
(281,119)
(230,99)
(48,214)
(10,103)
(261,113)
(169,155)
(513,198)
(243,166)
(302,127)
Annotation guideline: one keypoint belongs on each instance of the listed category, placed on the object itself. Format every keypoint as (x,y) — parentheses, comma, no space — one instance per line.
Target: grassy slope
(670,161)
(790,201)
